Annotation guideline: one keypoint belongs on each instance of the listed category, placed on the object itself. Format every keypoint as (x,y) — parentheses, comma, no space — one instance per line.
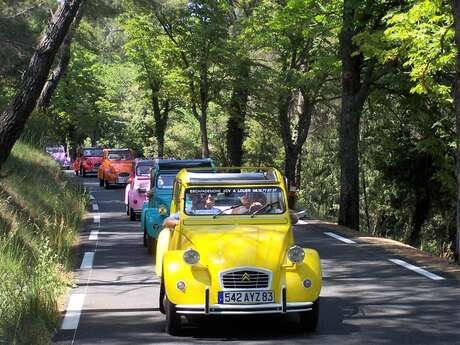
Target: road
(366,298)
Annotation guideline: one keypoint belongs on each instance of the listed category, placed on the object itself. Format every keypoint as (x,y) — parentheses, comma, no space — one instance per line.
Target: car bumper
(244,309)
(237,309)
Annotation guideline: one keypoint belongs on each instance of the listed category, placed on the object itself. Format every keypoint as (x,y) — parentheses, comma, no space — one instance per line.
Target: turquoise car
(156,209)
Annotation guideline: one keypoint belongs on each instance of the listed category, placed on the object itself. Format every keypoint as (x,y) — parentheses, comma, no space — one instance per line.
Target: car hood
(122,166)
(225,246)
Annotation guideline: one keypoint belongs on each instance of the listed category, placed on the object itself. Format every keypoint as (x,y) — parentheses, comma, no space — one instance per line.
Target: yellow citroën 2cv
(232,250)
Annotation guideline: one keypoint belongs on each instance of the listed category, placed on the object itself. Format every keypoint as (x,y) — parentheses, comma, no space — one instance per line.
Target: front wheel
(161,299)
(173,322)
(106,184)
(151,245)
(145,238)
(309,319)
(101,182)
(132,215)
(83,172)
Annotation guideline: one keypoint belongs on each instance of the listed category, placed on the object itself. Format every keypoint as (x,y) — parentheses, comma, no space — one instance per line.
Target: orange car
(116,167)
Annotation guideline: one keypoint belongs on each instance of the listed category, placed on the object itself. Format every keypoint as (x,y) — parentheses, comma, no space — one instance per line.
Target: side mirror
(296,215)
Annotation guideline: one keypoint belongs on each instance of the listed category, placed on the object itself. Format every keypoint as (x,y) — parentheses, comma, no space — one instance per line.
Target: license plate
(123,179)
(245,297)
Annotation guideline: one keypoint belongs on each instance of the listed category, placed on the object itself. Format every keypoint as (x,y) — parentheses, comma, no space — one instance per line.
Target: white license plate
(123,179)
(245,297)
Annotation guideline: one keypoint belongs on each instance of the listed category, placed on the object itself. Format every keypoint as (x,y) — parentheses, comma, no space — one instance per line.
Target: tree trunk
(237,112)
(14,117)
(58,72)
(286,105)
(420,215)
(353,96)
(204,101)
(457,116)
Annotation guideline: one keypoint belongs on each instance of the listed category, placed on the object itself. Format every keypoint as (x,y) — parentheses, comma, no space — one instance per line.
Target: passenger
(258,201)
(250,202)
(245,205)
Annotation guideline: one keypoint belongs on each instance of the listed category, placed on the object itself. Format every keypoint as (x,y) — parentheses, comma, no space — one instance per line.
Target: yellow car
(233,252)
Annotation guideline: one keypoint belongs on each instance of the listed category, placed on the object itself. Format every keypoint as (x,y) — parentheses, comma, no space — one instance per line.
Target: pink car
(135,193)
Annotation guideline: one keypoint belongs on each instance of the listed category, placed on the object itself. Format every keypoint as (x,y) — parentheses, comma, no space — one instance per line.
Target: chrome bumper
(241,309)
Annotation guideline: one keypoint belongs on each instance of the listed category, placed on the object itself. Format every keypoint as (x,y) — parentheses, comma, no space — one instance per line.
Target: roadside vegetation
(40,212)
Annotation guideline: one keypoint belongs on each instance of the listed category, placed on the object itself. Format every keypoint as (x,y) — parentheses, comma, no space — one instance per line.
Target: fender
(196,278)
(127,190)
(153,221)
(310,268)
(162,248)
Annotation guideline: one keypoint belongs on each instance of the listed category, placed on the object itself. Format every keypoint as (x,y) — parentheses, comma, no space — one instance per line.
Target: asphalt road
(366,298)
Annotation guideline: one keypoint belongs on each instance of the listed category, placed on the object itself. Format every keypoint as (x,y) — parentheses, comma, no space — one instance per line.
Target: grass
(40,212)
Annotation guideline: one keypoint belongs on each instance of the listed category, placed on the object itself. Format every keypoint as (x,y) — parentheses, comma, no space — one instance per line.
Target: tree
(14,117)
(456,8)
(150,49)
(57,73)
(298,60)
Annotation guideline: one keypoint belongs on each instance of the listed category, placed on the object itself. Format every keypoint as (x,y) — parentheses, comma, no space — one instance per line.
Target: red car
(88,160)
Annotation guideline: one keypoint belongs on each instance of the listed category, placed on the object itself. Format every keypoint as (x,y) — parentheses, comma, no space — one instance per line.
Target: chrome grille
(245,279)
(123,174)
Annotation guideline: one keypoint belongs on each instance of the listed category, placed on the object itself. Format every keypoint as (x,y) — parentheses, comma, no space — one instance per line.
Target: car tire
(151,245)
(309,319)
(132,215)
(145,238)
(106,184)
(101,183)
(127,210)
(83,172)
(76,172)
(173,321)
(161,298)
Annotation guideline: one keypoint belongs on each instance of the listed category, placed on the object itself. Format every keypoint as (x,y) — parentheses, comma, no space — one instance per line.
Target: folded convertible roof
(177,164)
(259,177)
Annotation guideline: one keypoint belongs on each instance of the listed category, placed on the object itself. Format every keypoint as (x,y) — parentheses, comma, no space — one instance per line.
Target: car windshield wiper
(225,209)
(268,206)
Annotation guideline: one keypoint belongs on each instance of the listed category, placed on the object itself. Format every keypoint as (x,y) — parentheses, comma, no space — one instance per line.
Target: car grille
(245,279)
(123,174)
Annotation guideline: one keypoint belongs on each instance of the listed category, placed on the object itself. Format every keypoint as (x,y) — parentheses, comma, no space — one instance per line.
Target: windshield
(119,156)
(234,201)
(92,152)
(165,181)
(143,170)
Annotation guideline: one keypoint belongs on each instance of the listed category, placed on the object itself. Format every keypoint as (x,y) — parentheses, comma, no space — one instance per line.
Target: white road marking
(416,269)
(340,238)
(91,197)
(93,235)
(97,219)
(72,315)
(87,261)
(95,207)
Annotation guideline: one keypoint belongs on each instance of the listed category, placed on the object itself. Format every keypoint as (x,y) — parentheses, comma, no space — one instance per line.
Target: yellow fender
(162,248)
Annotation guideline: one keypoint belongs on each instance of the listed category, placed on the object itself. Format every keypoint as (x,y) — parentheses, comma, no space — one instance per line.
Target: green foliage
(40,211)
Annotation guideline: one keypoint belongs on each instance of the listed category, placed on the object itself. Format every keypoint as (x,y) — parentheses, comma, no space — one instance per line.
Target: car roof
(145,162)
(178,164)
(265,176)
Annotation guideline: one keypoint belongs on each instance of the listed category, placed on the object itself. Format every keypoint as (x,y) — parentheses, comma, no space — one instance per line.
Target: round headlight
(191,256)
(296,254)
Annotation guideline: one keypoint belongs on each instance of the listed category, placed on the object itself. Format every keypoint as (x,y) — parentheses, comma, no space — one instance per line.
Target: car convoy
(230,250)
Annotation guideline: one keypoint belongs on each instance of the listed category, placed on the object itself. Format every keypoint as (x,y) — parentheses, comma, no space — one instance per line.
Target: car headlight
(163,210)
(296,254)
(191,256)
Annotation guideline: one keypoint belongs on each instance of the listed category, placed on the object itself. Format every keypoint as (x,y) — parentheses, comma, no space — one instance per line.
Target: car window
(165,181)
(234,201)
(119,156)
(143,170)
(92,152)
